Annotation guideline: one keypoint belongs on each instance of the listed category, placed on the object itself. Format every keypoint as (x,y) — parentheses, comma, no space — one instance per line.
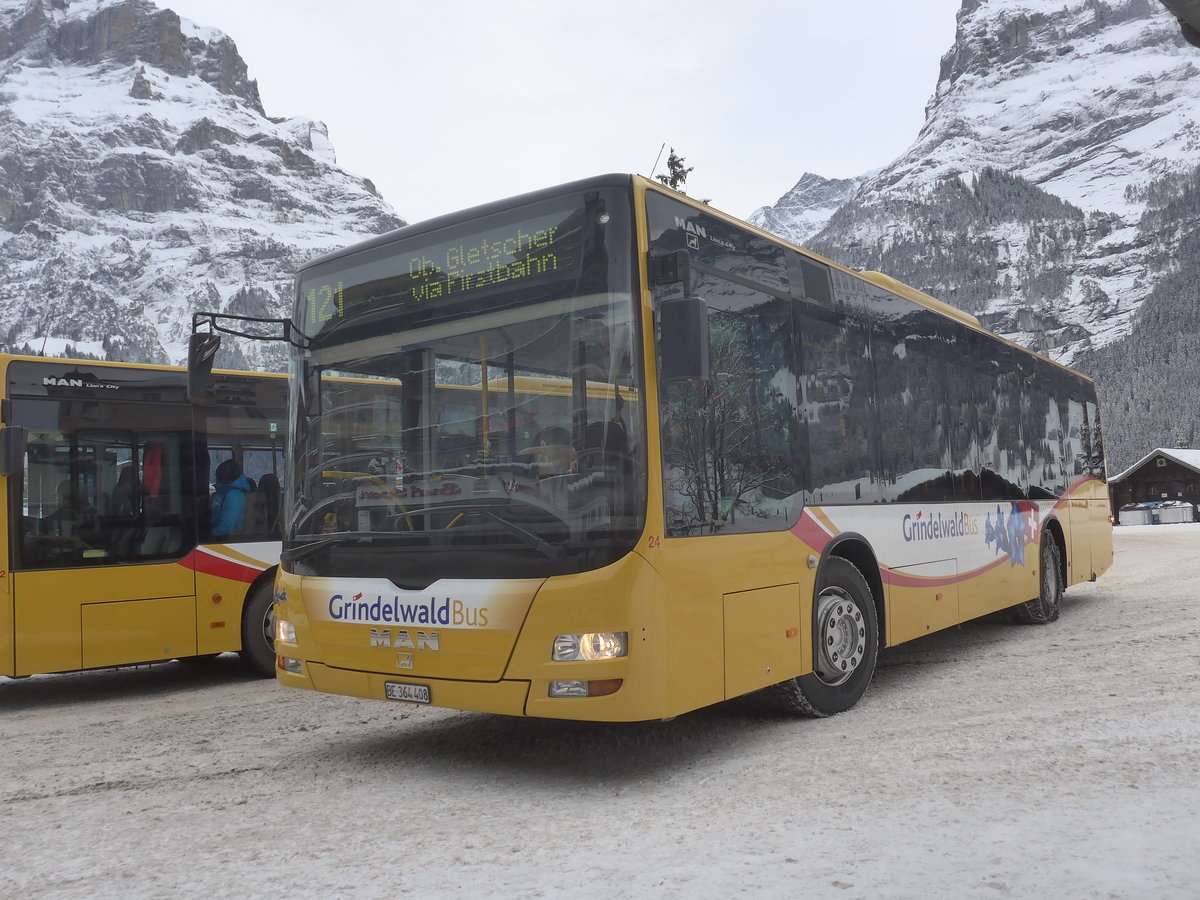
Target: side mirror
(202,351)
(12,449)
(683,339)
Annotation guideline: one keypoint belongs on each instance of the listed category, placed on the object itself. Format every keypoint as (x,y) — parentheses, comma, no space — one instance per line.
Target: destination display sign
(486,261)
(442,277)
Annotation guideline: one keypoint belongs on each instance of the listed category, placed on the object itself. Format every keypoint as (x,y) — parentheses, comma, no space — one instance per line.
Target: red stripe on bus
(903,579)
(211,564)
(811,532)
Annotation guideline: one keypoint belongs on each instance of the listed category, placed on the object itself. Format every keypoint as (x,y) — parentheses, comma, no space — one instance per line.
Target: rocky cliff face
(141,180)
(1043,192)
(1148,379)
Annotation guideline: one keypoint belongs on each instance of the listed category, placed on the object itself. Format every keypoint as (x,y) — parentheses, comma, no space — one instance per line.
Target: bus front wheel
(258,630)
(845,644)
(1046,606)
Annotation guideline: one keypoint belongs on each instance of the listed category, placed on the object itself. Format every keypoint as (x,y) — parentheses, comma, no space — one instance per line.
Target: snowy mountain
(807,208)
(140,179)
(1048,189)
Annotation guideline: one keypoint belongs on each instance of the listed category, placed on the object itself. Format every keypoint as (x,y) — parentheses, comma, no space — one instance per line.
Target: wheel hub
(841,636)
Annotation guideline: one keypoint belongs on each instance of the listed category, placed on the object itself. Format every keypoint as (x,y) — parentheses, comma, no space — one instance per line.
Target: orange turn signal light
(603,688)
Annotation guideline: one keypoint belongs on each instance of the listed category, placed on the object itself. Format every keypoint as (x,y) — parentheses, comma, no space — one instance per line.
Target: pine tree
(676,175)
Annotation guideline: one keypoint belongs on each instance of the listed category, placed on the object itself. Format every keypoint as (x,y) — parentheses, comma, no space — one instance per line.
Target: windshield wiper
(550,549)
(294,553)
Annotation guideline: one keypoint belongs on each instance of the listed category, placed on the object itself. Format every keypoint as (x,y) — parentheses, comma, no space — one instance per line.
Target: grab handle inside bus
(683,339)
(202,351)
(12,449)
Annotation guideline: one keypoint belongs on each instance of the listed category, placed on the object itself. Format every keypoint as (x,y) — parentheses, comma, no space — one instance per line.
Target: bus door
(102,526)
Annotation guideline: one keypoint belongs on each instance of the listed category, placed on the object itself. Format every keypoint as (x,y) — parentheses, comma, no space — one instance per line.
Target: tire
(258,630)
(845,644)
(1045,607)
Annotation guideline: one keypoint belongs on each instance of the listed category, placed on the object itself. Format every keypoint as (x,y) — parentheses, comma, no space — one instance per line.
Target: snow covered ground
(989,761)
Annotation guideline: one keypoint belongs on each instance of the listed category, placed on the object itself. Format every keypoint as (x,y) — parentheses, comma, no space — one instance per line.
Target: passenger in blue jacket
(229,506)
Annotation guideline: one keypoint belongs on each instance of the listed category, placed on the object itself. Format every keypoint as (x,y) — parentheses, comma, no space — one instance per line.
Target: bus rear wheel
(1046,606)
(258,630)
(845,644)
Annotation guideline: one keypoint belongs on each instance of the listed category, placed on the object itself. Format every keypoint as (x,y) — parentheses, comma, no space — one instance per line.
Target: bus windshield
(470,400)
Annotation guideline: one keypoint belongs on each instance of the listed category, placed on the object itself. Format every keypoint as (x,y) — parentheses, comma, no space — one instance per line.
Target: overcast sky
(446,105)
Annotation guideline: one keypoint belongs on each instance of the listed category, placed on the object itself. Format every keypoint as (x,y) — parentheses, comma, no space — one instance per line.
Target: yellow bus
(747,468)
(138,526)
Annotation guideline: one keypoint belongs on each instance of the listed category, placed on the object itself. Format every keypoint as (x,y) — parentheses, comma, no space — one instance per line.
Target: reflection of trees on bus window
(836,387)
(827,388)
(730,443)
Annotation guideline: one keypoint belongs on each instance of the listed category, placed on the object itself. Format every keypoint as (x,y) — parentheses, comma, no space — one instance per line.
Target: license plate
(409,693)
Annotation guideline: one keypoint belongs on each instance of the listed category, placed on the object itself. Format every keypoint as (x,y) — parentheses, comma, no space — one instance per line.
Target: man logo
(383,637)
(74,381)
(404,660)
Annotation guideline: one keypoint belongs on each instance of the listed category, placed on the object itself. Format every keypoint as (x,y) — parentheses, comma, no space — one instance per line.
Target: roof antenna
(657,158)
(46,336)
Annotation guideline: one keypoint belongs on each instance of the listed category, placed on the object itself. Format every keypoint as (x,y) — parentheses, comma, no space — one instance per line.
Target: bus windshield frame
(468,397)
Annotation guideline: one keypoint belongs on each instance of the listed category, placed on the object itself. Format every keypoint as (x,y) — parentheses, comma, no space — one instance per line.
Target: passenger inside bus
(71,514)
(229,503)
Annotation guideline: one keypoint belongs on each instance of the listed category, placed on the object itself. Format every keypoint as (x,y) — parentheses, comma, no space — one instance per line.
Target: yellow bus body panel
(505,667)
(49,615)
(114,633)
(461,653)
(710,638)
(998,588)
(744,599)
(69,619)
(499,697)
(1089,551)
(926,604)
(225,578)
(7,620)
(625,596)
(762,644)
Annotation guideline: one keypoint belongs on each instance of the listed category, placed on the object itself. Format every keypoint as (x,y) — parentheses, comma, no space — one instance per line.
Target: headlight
(285,631)
(591,646)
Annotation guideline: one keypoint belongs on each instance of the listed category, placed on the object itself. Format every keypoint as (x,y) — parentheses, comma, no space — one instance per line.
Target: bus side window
(97,496)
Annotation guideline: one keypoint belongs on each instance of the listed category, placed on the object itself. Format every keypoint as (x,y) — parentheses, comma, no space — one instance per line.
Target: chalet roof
(1188,458)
